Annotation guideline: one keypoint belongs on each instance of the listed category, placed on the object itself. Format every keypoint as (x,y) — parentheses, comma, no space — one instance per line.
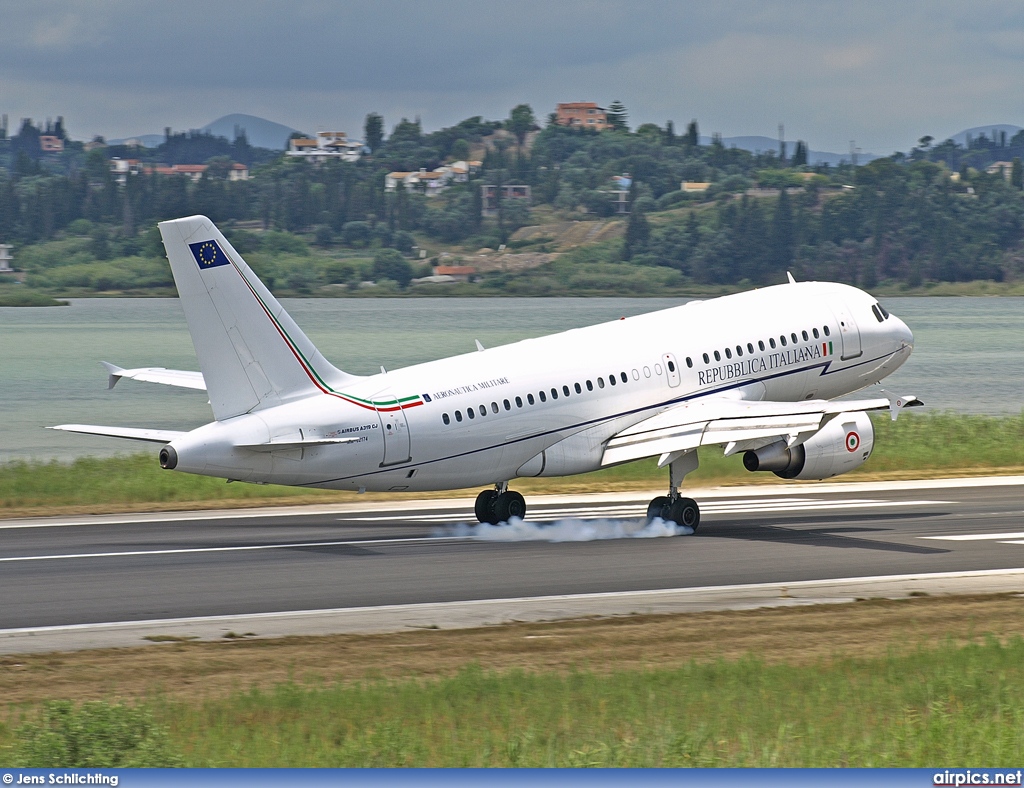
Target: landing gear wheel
(484,507)
(684,511)
(658,508)
(508,505)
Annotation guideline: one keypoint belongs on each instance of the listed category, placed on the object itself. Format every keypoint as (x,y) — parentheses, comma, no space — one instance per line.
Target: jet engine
(840,446)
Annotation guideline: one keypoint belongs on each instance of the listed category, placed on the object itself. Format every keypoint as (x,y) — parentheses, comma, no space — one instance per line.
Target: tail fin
(252,354)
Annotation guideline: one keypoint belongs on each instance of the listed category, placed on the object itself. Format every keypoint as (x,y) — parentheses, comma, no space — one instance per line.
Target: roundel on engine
(852,441)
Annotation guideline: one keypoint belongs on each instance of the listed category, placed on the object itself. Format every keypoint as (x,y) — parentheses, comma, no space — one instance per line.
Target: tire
(508,505)
(484,507)
(685,512)
(658,508)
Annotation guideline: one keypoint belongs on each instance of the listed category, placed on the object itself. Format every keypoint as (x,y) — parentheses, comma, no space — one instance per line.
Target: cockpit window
(878,313)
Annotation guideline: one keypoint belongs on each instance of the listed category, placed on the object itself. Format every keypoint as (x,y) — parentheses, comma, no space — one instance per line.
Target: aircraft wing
(169,377)
(129,433)
(738,424)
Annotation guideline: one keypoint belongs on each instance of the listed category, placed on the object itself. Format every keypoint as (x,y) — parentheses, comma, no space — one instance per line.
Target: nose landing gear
(499,505)
(673,507)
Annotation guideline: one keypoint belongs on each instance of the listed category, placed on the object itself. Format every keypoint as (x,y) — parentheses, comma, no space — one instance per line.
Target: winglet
(113,374)
(896,404)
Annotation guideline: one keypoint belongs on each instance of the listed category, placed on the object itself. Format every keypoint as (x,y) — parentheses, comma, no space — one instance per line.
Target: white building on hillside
(327,145)
(5,259)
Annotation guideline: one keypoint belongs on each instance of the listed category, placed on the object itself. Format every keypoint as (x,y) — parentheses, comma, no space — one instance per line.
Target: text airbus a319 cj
(756,372)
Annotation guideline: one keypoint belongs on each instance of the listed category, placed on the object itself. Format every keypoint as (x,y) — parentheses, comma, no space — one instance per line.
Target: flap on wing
(719,420)
(129,433)
(168,377)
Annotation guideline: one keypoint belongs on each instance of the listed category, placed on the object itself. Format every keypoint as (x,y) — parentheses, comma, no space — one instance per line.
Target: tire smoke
(568,530)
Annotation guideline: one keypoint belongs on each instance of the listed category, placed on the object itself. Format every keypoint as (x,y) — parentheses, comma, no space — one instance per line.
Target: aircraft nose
(902,332)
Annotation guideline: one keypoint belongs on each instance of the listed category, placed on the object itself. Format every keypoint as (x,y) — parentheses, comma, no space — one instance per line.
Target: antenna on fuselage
(789,276)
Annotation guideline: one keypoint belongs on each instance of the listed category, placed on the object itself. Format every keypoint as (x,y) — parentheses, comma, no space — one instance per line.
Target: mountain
(261,133)
(977,131)
(756,144)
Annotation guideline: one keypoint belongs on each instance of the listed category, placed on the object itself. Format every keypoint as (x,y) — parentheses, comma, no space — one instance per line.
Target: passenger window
(445,419)
(458,415)
(750,348)
(577,387)
(793,337)
(590,386)
(494,406)
(611,379)
(647,372)
(728,353)
(543,397)
(600,383)
(782,339)
(739,351)
(815,332)
(623,376)
(529,398)
(471,413)
(657,369)
(706,359)
(827,332)
(718,356)
(805,336)
(507,404)
(554,393)
(672,367)
(519,402)
(771,342)
(636,375)
(483,410)
(565,390)
(760,344)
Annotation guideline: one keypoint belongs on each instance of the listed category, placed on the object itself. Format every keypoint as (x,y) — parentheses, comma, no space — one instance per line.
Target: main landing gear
(499,505)
(673,507)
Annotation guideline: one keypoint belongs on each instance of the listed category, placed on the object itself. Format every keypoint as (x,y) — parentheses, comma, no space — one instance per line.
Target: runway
(113,580)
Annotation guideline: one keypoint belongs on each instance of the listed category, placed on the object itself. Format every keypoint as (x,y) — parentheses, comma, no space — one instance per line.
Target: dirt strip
(795,635)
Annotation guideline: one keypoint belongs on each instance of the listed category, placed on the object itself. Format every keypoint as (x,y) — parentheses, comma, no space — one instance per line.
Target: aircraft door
(848,332)
(671,369)
(395,428)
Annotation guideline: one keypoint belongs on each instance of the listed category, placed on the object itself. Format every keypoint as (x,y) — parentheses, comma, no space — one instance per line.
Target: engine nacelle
(840,446)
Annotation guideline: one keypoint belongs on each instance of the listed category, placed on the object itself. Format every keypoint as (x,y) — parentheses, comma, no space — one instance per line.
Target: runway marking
(236,548)
(745,507)
(1015,535)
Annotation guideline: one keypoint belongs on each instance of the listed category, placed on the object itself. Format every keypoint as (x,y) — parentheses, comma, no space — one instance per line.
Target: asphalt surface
(72,571)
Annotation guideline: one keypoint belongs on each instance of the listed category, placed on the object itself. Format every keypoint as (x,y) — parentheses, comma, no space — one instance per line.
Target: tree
(670,133)
(389,264)
(617,116)
(638,232)
(520,122)
(692,136)
(800,154)
(373,131)
(1016,176)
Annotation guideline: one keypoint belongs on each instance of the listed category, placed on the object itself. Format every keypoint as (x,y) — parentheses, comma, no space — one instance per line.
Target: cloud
(878,72)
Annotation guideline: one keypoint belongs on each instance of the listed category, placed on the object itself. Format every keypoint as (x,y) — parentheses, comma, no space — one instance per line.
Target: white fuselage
(547,406)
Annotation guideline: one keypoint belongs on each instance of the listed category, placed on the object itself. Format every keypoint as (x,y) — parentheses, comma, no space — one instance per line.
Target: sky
(881,73)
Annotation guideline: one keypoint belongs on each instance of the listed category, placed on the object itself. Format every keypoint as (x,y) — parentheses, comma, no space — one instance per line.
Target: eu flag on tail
(208,254)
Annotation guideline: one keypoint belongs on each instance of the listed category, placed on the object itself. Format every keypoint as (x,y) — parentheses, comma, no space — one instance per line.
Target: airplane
(757,372)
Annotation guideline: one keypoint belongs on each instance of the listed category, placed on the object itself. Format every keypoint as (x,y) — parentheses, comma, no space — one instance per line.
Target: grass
(912,707)
(932,444)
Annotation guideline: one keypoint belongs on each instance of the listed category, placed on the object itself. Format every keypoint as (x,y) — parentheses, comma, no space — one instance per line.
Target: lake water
(968,357)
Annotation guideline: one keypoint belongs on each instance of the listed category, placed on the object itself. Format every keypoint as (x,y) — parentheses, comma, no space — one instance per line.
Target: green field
(950,704)
(932,444)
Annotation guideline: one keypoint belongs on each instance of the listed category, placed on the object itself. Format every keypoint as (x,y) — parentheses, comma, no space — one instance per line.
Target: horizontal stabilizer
(720,420)
(169,377)
(129,433)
